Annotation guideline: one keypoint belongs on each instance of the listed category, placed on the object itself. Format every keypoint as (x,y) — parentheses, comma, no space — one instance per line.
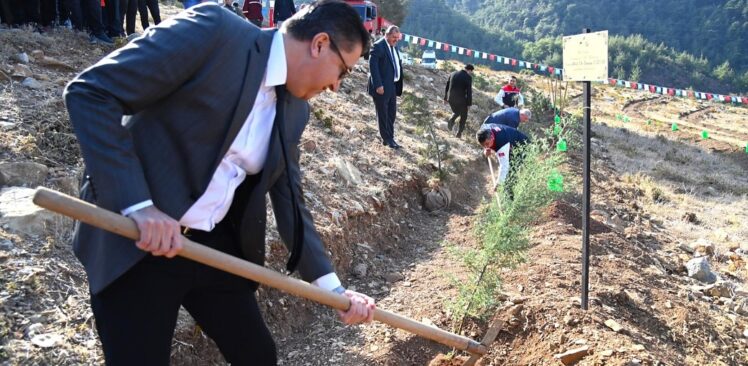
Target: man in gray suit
(191,145)
(386,83)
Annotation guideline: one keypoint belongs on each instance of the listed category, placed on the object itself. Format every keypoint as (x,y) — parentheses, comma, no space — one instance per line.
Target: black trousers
(142,7)
(386,107)
(136,315)
(114,17)
(86,14)
(458,110)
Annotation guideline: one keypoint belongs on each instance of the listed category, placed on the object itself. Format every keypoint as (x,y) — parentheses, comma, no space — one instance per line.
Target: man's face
(392,38)
(488,143)
(325,66)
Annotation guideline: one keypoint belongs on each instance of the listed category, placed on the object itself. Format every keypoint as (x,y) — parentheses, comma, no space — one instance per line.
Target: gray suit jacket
(155,118)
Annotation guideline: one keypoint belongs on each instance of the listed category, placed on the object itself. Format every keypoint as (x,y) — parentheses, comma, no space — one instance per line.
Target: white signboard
(586,56)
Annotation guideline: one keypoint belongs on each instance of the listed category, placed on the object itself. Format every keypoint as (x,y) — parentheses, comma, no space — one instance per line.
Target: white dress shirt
(396,61)
(246,156)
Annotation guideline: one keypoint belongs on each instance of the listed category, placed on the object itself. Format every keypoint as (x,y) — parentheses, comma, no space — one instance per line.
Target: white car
(406,59)
(428,59)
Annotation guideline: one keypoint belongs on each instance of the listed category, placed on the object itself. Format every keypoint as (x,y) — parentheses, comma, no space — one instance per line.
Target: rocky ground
(669,236)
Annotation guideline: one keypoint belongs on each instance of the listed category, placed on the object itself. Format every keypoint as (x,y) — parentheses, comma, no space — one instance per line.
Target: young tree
(392,10)
(636,72)
(724,72)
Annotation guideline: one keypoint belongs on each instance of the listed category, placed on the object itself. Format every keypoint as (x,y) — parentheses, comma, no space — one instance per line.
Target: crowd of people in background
(107,20)
(104,20)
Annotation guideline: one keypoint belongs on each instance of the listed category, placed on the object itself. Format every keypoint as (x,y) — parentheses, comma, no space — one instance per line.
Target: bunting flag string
(551,70)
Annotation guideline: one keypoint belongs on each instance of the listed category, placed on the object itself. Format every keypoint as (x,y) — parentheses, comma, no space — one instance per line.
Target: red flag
(445,47)
(469,52)
(492,57)
(671,92)
(728,99)
(612,81)
(709,96)
(634,86)
(690,93)
(652,89)
(550,69)
(514,62)
(423,41)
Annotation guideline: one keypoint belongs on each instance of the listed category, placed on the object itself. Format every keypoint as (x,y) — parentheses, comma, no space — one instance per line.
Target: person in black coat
(459,94)
(283,10)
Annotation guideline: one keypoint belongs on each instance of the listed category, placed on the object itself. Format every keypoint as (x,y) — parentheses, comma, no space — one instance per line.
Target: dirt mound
(568,214)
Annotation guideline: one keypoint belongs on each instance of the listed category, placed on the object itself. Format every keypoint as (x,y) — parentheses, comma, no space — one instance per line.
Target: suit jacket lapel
(258,59)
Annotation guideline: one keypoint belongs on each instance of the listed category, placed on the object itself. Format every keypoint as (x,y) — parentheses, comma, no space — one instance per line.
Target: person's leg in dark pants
(31,11)
(463,118)
(113,18)
(76,14)
(155,12)
(93,15)
(457,109)
(131,13)
(381,105)
(136,315)
(225,306)
(6,12)
(391,115)
(47,12)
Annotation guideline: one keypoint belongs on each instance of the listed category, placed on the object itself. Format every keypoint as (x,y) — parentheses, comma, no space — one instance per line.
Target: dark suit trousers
(458,110)
(386,107)
(136,315)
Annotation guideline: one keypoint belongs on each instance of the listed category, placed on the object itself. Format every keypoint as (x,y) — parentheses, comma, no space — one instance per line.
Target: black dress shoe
(393,145)
(396,144)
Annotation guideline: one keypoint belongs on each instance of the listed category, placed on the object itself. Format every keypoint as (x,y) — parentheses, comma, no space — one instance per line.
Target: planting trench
(398,257)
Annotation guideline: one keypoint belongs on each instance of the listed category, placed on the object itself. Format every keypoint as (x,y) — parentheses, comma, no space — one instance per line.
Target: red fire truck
(369,14)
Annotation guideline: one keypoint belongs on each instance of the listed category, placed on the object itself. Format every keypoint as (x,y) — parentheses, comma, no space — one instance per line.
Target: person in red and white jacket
(509,95)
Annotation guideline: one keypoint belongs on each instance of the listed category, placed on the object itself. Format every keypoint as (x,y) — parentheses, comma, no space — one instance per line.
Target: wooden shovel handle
(121,225)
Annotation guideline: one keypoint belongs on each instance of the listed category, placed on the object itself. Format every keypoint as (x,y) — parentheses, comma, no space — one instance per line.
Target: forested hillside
(682,43)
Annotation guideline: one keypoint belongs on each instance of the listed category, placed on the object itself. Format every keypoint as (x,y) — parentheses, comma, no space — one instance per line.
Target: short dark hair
(334,17)
(482,135)
(469,67)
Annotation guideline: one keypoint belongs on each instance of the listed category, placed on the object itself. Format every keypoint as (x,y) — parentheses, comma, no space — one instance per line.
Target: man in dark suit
(386,83)
(192,144)
(282,10)
(459,94)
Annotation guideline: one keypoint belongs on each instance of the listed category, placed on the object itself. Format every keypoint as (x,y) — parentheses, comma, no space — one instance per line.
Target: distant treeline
(652,41)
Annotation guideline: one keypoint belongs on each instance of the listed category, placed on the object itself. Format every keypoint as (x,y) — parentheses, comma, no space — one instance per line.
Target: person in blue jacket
(502,141)
(508,117)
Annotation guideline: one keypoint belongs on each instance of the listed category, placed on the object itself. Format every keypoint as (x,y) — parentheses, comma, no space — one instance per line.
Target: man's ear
(319,41)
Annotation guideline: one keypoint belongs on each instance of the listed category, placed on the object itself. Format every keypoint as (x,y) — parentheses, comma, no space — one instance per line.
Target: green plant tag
(705,134)
(556,182)
(561,145)
(626,119)
(674,127)
(619,117)
(649,122)
(556,130)
(557,119)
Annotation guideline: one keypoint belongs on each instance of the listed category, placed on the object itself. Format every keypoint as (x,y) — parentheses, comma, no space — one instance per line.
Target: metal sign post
(585,59)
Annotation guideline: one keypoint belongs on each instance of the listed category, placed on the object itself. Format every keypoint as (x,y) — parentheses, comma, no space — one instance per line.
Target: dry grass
(678,178)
